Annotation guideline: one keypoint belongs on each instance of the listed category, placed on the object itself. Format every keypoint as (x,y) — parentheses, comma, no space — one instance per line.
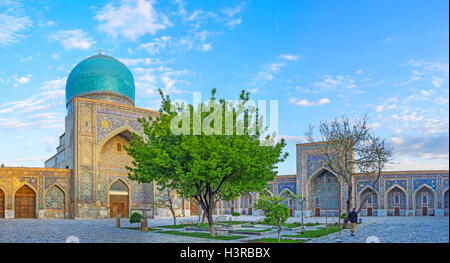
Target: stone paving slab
(386,229)
(394,230)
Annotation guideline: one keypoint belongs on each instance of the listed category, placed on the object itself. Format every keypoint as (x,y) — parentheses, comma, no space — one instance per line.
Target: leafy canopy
(204,166)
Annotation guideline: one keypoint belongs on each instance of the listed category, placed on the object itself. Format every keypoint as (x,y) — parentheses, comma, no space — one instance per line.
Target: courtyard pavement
(385,229)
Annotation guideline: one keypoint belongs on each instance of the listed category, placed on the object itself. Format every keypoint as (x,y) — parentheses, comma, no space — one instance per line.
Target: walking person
(353,216)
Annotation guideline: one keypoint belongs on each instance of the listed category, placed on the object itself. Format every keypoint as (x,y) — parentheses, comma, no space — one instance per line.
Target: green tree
(276,213)
(136,218)
(207,164)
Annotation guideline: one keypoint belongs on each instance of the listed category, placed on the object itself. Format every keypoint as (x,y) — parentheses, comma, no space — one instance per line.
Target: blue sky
(319,59)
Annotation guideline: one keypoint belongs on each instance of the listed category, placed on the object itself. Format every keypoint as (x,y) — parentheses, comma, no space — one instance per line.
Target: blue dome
(100,74)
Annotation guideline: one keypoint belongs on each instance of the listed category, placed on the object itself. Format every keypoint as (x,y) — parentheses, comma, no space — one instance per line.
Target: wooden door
(118,205)
(25,203)
(369,211)
(250,211)
(424,211)
(2,204)
(397,211)
(317,212)
(291,212)
(193,208)
(232,210)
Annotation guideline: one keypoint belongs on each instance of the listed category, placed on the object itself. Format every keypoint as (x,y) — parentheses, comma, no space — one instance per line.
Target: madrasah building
(86,178)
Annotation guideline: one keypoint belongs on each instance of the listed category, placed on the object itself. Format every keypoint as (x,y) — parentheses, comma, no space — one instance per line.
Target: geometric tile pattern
(54,198)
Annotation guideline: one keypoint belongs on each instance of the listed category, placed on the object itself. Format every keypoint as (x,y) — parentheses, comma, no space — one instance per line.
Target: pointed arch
(55,198)
(391,201)
(319,193)
(420,189)
(124,129)
(394,186)
(28,185)
(369,189)
(121,181)
(25,202)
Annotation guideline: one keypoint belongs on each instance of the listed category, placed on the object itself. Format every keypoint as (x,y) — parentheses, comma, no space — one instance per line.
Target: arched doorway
(446,203)
(2,204)
(424,201)
(324,191)
(118,199)
(25,203)
(370,206)
(396,202)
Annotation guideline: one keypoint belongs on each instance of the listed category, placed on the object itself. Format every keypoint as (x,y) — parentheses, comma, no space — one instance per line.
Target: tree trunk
(279,234)
(349,198)
(174,218)
(212,231)
(203,217)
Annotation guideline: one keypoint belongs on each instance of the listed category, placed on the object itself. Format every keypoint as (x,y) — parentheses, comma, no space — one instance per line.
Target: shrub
(135,218)
(236,214)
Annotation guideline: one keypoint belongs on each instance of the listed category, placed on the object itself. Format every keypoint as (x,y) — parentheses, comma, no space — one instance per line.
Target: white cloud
(437,82)
(345,85)
(154,48)
(426,93)
(305,102)
(25,59)
(289,57)
(269,71)
(73,39)
(131,19)
(206,47)
(233,15)
(11,26)
(142,61)
(388,104)
(441,100)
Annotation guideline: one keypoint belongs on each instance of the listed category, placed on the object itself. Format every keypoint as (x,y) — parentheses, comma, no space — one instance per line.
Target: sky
(319,59)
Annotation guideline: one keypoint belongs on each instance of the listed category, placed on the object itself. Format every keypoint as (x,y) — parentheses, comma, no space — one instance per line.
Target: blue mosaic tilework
(431,182)
(389,183)
(362,184)
(313,163)
(291,186)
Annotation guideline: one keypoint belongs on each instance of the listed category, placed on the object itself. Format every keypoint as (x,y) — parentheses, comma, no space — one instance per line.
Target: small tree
(136,218)
(276,213)
(347,148)
(166,199)
(299,201)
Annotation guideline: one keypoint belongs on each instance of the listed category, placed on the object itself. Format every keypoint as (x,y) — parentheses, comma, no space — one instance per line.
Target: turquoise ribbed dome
(100,74)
